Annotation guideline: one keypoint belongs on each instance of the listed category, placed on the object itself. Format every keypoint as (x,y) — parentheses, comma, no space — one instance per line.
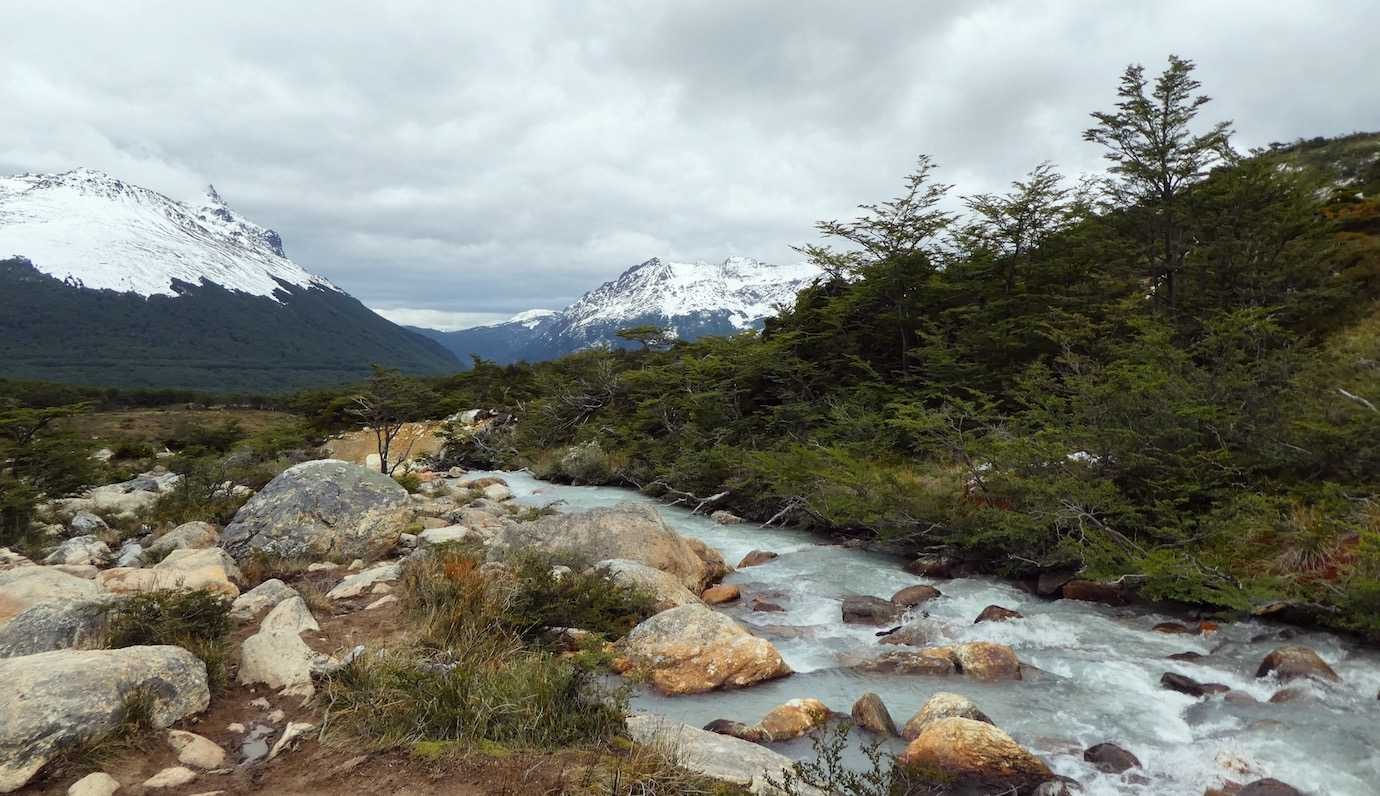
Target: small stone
(381,588)
(996,613)
(194,750)
(322,566)
(1189,686)
(759,604)
(173,777)
(737,729)
(294,731)
(720,594)
(260,703)
(726,518)
(357,565)
(1172,628)
(756,557)
(235,727)
(277,716)
(794,719)
(870,713)
(382,602)
(865,610)
(97,784)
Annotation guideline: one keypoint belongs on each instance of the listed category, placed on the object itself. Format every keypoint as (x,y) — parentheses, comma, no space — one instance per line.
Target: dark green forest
(1167,374)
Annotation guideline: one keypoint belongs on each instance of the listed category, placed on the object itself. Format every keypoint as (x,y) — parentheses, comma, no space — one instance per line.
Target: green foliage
(38,457)
(201,494)
(198,621)
(409,481)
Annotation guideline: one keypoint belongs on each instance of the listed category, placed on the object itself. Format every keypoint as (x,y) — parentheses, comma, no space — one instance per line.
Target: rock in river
(942,705)
(975,754)
(1294,661)
(870,713)
(693,649)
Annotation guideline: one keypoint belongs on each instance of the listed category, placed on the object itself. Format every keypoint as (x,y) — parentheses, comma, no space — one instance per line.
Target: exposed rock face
(57,625)
(870,713)
(915,595)
(627,531)
(23,586)
(53,699)
(755,557)
(1295,661)
(864,610)
(260,599)
(720,594)
(1093,592)
(692,649)
(1110,758)
(80,550)
(942,705)
(996,613)
(721,757)
(187,536)
(322,509)
(794,719)
(975,753)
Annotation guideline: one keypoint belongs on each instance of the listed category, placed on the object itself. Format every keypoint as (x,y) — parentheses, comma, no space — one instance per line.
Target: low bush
(198,621)
(409,481)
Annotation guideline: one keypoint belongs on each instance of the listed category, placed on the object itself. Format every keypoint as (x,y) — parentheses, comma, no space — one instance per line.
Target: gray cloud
(434,157)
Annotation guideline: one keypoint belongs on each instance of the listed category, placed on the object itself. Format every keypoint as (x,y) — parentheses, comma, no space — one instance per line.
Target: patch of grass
(315,598)
(587,600)
(133,732)
(487,689)
(409,481)
(647,770)
(532,513)
(198,621)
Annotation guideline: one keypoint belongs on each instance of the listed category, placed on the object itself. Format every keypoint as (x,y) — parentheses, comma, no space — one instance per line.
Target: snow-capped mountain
(106,282)
(91,230)
(693,299)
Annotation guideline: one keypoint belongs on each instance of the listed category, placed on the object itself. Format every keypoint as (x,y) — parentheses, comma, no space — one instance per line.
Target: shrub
(487,690)
(409,481)
(200,495)
(588,600)
(198,621)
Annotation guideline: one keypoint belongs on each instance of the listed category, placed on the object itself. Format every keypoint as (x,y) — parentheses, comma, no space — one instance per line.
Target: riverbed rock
(1268,787)
(1173,629)
(1294,661)
(975,754)
(720,594)
(24,586)
(187,536)
(794,719)
(80,550)
(53,699)
(1189,686)
(767,606)
(996,613)
(755,557)
(260,599)
(356,584)
(1110,758)
(865,610)
(726,518)
(985,660)
(321,509)
(1093,592)
(912,596)
(632,531)
(736,729)
(942,705)
(927,661)
(693,649)
(64,624)
(1050,582)
(719,757)
(666,589)
(870,713)
(932,566)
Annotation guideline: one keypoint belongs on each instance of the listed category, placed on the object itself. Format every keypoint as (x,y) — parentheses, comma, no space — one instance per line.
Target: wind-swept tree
(389,400)
(1156,156)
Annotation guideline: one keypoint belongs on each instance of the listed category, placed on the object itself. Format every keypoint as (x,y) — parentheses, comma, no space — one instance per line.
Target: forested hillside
(1168,374)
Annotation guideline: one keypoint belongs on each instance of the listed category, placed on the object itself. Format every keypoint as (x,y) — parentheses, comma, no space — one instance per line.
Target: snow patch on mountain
(531,318)
(92,230)
(744,289)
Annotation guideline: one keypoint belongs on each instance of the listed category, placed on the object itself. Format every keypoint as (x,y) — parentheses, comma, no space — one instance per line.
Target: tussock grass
(197,621)
(647,771)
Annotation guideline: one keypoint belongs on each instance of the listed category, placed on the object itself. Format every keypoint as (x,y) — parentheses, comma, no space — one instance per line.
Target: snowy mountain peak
(743,289)
(90,229)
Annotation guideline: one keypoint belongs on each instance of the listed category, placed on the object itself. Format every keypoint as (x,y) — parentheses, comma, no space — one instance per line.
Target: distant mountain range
(691,299)
(103,282)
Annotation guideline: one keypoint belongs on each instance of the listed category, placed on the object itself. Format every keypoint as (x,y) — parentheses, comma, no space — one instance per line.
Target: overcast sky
(455,162)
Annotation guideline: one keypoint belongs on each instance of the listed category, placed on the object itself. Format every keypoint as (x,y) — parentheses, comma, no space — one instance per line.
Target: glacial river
(1099,669)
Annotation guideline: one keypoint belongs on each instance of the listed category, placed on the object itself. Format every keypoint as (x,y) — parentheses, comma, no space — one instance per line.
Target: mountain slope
(104,282)
(693,299)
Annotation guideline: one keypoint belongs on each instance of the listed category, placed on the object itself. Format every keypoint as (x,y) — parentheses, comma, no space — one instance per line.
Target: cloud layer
(475,161)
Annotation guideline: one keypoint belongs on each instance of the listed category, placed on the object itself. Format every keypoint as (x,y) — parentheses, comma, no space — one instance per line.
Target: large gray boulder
(629,531)
(25,586)
(55,699)
(57,625)
(321,509)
